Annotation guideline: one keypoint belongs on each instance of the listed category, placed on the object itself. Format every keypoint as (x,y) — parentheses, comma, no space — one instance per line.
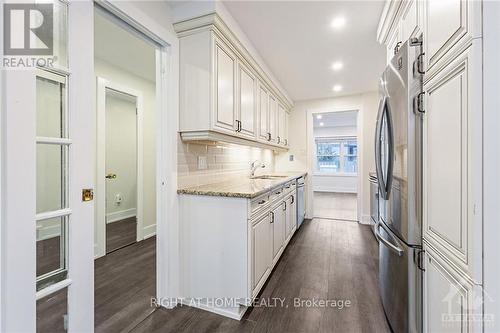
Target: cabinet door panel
(225,88)
(263,114)
(273,117)
(287,124)
(262,249)
(450,301)
(410,21)
(281,124)
(452,164)
(278,230)
(247,101)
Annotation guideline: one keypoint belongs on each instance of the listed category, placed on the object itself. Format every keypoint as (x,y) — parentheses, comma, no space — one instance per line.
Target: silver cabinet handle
(272,217)
(262,202)
(293,200)
(284,207)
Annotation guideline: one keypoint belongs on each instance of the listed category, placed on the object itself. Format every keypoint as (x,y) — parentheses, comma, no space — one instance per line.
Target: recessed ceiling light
(337,87)
(338,22)
(321,123)
(319,116)
(337,66)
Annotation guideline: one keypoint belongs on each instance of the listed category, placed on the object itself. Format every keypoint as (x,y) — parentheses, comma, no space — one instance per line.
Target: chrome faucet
(254,166)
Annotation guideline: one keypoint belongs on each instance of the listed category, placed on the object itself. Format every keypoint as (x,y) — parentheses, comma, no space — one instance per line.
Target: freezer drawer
(400,281)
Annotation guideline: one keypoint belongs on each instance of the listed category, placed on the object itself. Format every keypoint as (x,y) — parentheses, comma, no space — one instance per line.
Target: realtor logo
(28,29)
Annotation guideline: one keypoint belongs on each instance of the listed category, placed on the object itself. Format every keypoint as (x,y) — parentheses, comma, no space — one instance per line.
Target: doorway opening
(335,165)
(126,70)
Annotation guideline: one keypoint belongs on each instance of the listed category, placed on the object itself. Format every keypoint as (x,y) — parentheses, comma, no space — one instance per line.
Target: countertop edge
(229,194)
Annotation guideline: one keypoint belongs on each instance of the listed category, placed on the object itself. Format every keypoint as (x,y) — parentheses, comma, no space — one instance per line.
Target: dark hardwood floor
(125,282)
(120,233)
(326,260)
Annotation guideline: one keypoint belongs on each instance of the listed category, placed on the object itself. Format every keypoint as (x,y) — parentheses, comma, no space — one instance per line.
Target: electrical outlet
(290,158)
(202,162)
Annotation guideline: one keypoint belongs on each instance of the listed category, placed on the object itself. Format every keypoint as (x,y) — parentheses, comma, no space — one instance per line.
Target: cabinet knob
(262,202)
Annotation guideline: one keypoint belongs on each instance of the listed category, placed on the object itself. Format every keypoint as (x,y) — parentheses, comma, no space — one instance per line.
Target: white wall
(121,157)
(123,78)
(367,104)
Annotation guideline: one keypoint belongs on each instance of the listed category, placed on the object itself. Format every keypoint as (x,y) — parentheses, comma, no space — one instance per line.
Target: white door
(48,177)
(119,191)
(225,88)
(264,132)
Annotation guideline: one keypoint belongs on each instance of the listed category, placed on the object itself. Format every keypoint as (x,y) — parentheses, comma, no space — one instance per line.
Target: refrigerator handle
(378,157)
(399,251)
(390,166)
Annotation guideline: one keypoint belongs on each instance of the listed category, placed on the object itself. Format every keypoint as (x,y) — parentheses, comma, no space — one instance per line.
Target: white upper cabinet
(263,113)
(225,87)
(224,93)
(273,119)
(247,115)
(449,29)
(287,125)
(281,125)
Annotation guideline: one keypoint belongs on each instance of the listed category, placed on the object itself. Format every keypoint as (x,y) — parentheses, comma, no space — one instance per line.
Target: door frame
(100,192)
(310,157)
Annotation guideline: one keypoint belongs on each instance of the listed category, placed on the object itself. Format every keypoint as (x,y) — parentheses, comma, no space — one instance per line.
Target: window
(337,155)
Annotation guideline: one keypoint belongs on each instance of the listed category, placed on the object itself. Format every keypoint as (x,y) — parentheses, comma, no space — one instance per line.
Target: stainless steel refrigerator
(398,158)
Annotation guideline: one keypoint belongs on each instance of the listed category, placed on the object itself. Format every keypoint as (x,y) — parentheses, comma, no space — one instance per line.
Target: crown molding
(391,13)
(215,23)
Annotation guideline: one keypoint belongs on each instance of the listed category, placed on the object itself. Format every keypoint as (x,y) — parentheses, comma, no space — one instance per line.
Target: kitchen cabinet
(273,119)
(263,113)
(281,125)
(452,175)
(291,216)
(262,254)
(225,68)
(223,90)
(230,245)
(452,303)
(278,217)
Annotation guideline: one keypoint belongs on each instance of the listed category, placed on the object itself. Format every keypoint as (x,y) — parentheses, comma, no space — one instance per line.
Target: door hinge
(418,103)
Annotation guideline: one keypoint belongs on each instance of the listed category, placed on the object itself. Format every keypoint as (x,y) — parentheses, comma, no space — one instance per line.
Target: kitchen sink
(269,177)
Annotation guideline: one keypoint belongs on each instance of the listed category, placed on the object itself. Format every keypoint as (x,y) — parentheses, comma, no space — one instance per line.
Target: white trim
(100,193)
(366,219)
(120,215)
(167,97)
(52,214)
(53,288)
(149,231)
(311,161)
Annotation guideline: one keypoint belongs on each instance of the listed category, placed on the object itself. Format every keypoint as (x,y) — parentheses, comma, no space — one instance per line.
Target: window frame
(341,140)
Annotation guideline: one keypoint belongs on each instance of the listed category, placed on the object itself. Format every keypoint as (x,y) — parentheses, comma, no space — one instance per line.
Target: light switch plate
(290,158)
(202,162)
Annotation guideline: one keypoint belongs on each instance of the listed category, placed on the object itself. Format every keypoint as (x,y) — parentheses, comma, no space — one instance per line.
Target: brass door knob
(111,176)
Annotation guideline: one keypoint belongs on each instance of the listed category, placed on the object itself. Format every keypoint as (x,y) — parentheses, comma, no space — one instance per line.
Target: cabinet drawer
(259,203)
(276,194)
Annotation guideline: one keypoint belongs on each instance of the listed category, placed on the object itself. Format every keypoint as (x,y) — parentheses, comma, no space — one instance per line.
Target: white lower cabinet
(452,303)
(230,245)
(278,220)
(262,232)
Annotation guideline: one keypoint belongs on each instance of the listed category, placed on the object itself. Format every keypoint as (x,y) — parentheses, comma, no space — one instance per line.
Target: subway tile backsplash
(223,162)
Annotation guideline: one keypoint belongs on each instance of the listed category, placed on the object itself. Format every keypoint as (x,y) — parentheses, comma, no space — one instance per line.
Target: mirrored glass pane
(50,246)
(51,312)
(50,177)
(50,106)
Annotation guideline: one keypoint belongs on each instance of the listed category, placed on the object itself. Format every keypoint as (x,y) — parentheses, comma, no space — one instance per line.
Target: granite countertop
(242,188)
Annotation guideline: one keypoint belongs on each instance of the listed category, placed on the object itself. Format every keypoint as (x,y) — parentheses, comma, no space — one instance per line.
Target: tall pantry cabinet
(452,154)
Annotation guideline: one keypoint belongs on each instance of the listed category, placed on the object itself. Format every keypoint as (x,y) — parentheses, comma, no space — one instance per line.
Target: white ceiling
(122,48)
(336,119)
(297,42)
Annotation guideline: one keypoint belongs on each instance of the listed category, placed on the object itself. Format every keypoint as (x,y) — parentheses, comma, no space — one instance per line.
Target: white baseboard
(120,215)
(149,231)
(233,313)
(47,232)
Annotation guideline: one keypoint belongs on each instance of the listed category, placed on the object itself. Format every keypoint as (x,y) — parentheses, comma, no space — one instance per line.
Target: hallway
(326,260)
